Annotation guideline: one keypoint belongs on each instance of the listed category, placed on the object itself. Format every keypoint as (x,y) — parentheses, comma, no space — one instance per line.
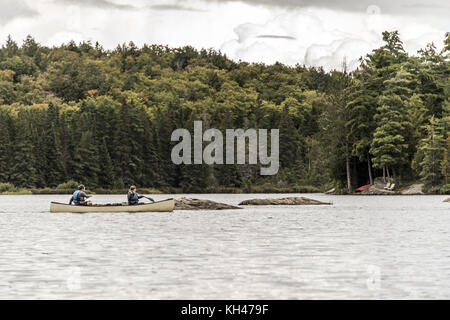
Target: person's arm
(84,194)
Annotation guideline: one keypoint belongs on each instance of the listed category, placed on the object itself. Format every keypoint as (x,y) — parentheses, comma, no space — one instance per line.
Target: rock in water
(447,200)
(378,190)
(414,189)
(291,201)
(198,204)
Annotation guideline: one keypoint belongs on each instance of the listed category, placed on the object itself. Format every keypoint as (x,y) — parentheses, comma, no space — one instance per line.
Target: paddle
(148,198)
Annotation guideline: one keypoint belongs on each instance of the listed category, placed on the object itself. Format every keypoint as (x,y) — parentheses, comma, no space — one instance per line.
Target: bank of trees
(105,117)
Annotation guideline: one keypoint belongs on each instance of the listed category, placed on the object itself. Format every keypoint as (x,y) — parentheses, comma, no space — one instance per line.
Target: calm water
(360,247)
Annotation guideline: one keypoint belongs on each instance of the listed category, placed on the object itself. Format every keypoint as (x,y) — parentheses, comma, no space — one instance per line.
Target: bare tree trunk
(387,171)
(369,167)
(395,176)
(347,166)
(384,174)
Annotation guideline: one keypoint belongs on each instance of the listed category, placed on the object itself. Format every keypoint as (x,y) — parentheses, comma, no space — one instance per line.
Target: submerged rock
(291,201)
(199,204)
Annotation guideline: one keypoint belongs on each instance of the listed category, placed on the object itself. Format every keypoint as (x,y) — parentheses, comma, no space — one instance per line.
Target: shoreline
(111,192)
(210,190)
(256,189)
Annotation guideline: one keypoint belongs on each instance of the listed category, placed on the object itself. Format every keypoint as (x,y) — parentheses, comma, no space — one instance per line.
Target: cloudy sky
(315,33)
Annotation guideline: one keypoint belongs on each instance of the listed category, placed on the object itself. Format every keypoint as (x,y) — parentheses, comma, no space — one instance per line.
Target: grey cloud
(11,9)
(106,4)
(386,6)
(173,7)
(425,5)
(103,4)
(272,36)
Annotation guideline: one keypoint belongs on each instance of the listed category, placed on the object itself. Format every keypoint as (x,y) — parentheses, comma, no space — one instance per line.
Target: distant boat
(158,206)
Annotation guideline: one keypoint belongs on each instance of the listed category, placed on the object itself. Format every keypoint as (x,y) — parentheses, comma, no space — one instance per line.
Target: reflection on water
(360,247)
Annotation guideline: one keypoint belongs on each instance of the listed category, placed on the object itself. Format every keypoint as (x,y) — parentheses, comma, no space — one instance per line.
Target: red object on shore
(363,188)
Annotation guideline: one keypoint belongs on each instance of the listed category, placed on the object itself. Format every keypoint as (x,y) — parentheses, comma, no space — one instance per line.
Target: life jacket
(136,197)
(75,196)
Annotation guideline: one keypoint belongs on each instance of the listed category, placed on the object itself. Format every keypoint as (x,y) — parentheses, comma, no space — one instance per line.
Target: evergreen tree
(6,124)
(446,162)
(335,136)
(51,149)
(361,109)
(106,169)
(86,160)
(22,163)
(432,149)
(389,146)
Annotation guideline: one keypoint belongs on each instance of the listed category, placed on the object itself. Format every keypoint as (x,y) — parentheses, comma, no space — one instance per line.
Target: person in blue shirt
(79,197)
(133,196)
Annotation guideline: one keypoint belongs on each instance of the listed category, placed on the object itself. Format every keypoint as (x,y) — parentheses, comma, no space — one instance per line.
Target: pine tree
(389,146)
(11,47)
(446,162)
(361,109)
(53,167)
(106,169)
(432,149)
(335,134)
(23,156)
(86,160)
(6,124)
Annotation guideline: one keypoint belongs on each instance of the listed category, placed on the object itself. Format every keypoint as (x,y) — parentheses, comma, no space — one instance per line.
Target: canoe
(158,206)
(361,189)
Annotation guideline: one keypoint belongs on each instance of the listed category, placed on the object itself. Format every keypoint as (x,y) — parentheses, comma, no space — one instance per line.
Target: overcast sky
(315,33)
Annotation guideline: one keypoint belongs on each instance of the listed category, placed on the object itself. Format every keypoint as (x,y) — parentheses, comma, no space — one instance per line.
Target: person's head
(81,187)
(133,188)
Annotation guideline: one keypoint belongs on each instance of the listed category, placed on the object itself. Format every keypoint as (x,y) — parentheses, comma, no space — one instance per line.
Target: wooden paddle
(149,199)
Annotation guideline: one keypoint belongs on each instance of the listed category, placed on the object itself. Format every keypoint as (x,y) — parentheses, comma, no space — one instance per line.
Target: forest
(79,113)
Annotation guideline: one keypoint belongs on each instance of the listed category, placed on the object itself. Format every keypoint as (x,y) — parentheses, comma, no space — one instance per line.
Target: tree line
(105,117)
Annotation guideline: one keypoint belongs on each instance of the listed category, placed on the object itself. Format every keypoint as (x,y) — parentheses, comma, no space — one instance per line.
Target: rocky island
(201,204)
(290,201)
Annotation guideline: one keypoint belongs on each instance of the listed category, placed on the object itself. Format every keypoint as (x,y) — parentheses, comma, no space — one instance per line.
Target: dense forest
(105,117)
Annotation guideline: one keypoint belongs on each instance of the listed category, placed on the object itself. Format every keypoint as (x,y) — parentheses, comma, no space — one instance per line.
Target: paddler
(133,196)
(79,197)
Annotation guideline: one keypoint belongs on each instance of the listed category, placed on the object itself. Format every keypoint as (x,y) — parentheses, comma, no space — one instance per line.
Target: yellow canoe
(158,206)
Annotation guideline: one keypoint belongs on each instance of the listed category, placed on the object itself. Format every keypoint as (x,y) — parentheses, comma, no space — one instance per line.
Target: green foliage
(445,189)
(432,148)
(269,188)
(430,189)
(71,184)
(446,162)
(389,146)
(7,187)
(104,118)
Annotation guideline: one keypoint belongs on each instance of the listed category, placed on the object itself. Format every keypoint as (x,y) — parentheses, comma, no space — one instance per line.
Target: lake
(361,247)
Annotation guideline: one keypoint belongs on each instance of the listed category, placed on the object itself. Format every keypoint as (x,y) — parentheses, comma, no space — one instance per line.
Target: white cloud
(323,37)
